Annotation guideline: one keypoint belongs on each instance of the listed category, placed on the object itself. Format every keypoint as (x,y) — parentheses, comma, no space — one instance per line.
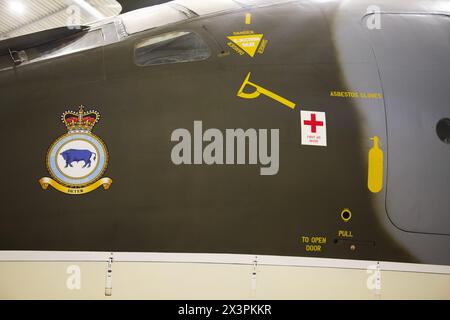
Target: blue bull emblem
(72,155)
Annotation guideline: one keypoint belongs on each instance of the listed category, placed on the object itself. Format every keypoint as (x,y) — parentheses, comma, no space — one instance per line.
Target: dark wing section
(38,38)
(130,5)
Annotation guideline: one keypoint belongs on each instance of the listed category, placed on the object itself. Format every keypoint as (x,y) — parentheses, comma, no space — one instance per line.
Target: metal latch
(253,276)
(108,286)
(378,280)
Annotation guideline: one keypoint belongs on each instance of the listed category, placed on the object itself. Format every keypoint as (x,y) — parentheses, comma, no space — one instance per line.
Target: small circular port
(353,247)
(443,130)
(346,215)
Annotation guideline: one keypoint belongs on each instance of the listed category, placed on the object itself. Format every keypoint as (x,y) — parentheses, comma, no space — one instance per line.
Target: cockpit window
(173,47)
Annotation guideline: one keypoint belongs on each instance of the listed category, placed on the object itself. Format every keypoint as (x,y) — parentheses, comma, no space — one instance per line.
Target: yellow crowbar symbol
(375,177)
(260,90)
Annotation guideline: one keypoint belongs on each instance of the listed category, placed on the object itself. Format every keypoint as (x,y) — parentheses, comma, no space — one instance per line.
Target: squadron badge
(77,160)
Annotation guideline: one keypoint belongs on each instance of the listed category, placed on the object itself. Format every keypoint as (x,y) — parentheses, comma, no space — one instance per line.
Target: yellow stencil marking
(356,95)
(345,234)
(375,176)
(236,48)
(245,32)
(248,18)
(260,90)
(262,47)
(248,43)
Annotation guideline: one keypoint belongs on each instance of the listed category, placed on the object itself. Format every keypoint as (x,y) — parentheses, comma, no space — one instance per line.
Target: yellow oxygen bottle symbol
(376,157)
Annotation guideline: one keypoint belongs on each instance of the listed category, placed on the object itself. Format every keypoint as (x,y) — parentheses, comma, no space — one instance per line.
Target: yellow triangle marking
(249,43)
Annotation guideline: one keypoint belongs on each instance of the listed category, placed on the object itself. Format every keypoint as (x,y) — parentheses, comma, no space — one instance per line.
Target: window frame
(189,31)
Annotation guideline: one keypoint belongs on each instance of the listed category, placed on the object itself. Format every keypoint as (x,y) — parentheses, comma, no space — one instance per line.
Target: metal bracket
(18,57)
(378,280)
(253,276)
(108,286)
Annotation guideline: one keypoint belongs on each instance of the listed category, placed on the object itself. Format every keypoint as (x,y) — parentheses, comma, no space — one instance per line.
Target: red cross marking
(313,123)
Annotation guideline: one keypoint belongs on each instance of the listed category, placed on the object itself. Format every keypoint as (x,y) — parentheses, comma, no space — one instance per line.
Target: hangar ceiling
(19,17)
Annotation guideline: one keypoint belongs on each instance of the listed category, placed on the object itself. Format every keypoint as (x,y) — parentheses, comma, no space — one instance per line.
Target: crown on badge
(81,121)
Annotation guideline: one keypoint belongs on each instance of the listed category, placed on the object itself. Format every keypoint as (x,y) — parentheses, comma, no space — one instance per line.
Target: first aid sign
(314,128)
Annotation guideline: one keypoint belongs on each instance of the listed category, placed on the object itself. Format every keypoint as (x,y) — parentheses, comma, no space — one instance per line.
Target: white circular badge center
(77,159)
